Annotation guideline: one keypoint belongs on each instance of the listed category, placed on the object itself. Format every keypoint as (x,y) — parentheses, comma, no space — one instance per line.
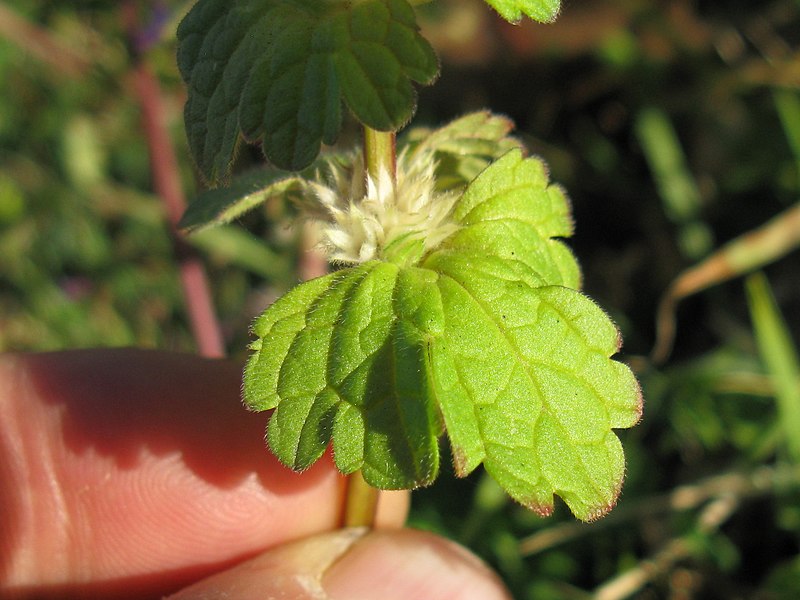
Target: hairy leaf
(486,332)
(464,147)
(342,356)
(218,206)
(544,11)
(277,71)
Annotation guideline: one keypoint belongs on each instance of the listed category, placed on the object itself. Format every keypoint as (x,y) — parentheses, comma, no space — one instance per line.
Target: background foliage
(675,126)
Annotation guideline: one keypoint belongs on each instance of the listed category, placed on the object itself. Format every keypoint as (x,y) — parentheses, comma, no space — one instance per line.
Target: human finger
(129,472)
(356,565)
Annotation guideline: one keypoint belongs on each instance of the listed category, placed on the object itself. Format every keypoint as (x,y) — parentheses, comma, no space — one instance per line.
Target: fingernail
(290,571)
(410,564)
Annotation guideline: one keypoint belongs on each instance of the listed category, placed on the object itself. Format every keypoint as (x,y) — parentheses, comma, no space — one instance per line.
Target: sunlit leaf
(341,356)
(464,147)
(544,11)
(486,332)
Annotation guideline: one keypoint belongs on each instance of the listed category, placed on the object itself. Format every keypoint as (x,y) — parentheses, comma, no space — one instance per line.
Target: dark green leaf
(222,205)
(277,70)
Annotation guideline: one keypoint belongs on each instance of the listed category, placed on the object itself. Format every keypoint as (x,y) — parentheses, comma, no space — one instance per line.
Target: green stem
(361,502)
(361,499)
(379,152)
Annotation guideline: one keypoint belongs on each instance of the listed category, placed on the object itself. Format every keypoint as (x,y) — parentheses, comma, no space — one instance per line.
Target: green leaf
(342,356)
(527,389)
(277,71)
(464,147)
(486,333)
(524,380)
(510,213)
(218,206)
(544,11)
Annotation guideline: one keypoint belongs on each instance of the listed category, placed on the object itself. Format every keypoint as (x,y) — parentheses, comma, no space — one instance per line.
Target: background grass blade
(780,358)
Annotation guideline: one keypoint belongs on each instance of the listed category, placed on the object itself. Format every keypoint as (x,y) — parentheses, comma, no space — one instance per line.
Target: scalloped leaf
(486,333)
(278,70)
(341,356)
(464,147)
(522,371)
(544,11)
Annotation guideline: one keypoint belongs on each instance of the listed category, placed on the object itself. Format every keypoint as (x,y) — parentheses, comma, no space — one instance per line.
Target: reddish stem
(42,44)
(166,180)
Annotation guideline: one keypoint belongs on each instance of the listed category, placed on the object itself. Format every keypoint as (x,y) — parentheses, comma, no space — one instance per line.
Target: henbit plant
(456,307)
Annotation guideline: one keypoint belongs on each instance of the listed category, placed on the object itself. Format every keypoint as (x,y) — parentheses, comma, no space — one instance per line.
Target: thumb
(354,564)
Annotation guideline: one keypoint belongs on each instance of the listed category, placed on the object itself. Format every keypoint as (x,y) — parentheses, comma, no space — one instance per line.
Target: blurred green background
(675,127)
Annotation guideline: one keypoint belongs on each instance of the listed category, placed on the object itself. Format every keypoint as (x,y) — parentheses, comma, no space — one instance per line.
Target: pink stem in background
(312,263)
(40,43)
(166,180)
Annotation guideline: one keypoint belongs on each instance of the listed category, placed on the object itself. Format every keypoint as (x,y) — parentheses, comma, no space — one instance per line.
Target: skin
(138,474)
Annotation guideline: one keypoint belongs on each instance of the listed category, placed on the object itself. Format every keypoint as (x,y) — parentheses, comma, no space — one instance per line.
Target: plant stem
(203,320)
(361,499)
(379,152)
(361,502)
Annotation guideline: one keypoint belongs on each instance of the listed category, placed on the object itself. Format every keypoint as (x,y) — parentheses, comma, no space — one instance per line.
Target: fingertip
(411,564)
(293,570)
(140,468)
(352,564)
(393,507)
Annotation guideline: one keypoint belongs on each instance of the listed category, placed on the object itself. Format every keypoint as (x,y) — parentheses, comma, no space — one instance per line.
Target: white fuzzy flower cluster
(362,216)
